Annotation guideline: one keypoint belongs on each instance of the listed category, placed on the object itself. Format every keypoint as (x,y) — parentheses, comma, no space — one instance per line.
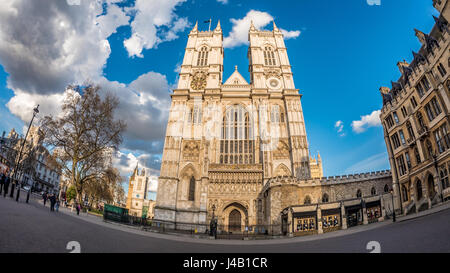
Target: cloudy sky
(341,53)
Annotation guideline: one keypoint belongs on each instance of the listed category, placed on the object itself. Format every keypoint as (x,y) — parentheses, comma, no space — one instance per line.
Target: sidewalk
(437,208)
(202,239)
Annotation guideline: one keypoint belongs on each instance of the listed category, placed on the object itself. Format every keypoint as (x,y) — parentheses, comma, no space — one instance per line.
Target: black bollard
(28,196)
(12,190)
(18,194)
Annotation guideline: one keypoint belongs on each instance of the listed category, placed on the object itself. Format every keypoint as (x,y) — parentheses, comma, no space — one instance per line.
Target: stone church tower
(226,139)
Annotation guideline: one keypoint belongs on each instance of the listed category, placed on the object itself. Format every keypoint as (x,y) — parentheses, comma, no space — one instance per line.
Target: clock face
(273,83)
(199,81)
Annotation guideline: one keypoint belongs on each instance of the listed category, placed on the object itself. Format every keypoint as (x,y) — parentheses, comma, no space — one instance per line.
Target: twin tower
(226,139)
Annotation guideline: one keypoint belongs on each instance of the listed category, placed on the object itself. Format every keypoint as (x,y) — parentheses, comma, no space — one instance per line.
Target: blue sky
(345,52)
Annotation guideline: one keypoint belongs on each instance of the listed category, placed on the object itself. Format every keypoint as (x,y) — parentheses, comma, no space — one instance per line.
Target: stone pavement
(200,238)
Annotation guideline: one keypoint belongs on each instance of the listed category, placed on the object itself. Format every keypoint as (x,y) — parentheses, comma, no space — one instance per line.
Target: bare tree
(84,135)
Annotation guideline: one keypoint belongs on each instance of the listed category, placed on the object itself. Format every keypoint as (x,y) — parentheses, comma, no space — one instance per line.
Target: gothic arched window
(202,57)
(325,198)
(404,193)
(358,193)
(237,144)
(192,189)
(277,114)
(307,200)
(373,191)
(386,188)
(269,56)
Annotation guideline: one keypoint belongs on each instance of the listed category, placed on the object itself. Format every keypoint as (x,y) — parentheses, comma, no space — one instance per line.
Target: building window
(408,160)
(395,117)
(395,140)
(413,102)
(192,189)
(389,121)
(444,177)
(419,190)
(358,193)
(386,188)
(404,193)
(202,57)
(269,56)
(307,200)
(441,70)
(373,191)
(432,109)
(325,198)
(442,138)
(425,83)
(237,137)
(401,165)
(276,114)
(404,112)
(420,120)
(402,136)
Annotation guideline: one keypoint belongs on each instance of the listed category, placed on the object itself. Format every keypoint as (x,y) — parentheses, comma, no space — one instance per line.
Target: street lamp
(35,112)
(393,206)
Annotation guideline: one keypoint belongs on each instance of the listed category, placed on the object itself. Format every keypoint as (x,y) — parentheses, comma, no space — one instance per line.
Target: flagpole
(209,24)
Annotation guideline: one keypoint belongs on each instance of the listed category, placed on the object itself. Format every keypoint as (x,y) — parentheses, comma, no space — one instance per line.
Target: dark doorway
(234,222)
(431,191)
(419,190)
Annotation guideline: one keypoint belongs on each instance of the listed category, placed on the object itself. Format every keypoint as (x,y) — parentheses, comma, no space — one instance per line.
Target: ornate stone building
(238,151)
(138,202)
(415,117)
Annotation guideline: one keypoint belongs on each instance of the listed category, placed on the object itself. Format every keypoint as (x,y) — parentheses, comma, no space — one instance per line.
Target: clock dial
(199,81)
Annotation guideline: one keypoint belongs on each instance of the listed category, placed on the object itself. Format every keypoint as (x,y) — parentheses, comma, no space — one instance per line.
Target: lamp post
(35,112)
(393,206)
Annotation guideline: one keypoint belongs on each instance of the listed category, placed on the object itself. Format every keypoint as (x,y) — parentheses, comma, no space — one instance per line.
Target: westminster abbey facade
(238,151)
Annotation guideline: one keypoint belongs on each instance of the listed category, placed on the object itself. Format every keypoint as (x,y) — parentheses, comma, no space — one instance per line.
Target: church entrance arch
(234,221)
(235,218)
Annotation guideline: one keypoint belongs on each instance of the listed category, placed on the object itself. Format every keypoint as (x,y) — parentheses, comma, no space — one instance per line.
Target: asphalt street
(34,228)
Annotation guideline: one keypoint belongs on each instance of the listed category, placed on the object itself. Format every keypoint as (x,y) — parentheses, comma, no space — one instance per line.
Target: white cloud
(126,163)
(147,27)
(374,162)
(223,1)
(339,125)
(43,48)
(239,32)
(290,34)
(371,120)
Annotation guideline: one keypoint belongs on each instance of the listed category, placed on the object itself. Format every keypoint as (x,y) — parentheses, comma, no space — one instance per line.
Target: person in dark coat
(52,199)
(78,208)
(6,186)
(44,196)
(2,181)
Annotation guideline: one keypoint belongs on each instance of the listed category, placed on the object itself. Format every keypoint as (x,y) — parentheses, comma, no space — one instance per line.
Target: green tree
(85,135)
(71,193)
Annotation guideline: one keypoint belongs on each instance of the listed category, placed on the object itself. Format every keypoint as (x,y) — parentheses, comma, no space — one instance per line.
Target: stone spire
(252,26)
(195,29)
(420,35)
(275,28)
(218,28)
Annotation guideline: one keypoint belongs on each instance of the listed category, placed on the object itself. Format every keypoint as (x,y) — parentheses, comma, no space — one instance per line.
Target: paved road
(33,228)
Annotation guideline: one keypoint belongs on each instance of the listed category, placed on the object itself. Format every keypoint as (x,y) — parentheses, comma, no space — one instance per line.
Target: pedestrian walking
(44,196)
(6,185)
(52,199)
(57,205)
(2,181)
(78,208)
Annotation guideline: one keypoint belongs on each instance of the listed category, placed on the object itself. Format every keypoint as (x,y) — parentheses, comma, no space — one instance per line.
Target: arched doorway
(419,190)
(234,221)
(431,190)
